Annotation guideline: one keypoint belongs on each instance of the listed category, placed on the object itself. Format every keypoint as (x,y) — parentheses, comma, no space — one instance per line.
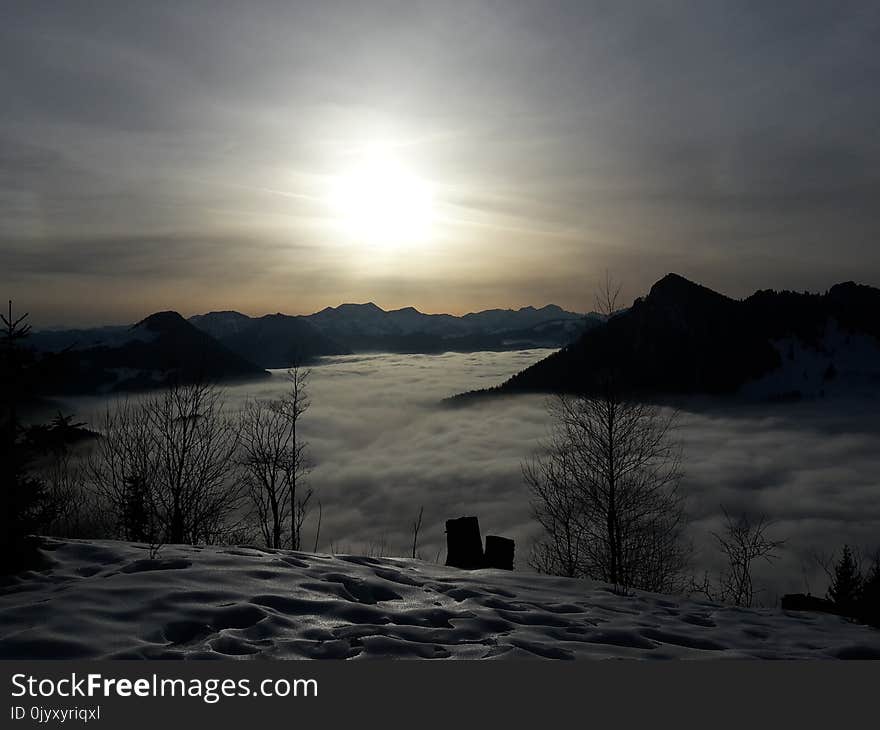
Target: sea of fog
(384,447)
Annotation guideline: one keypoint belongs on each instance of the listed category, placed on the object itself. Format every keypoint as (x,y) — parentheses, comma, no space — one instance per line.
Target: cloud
(811,467)
(383,448)
(160,256)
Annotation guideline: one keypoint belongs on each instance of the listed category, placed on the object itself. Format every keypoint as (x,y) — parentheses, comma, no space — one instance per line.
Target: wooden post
(464,546)
(499,552)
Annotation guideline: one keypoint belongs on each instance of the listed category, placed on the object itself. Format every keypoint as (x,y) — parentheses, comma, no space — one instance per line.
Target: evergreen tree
(846,584)
(24,503)
(871,594)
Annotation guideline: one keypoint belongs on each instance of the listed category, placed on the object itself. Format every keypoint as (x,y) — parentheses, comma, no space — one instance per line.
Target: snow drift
(104,599)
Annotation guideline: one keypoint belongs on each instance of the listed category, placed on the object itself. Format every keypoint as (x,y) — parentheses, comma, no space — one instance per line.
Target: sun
(380,202)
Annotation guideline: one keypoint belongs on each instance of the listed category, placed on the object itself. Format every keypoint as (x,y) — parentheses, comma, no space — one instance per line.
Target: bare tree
(607,295)
(556,504)
(743,542)
(275,462)
(170,460)
(292,405)
(267,447)
(76,512)
(301,494)
(199,485)
(605,490)
(123,467)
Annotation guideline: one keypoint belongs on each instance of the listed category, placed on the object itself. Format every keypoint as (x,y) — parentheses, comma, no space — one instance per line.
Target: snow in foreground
(106,599)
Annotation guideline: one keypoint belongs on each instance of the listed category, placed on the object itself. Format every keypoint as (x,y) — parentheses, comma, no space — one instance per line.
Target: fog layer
(385,446)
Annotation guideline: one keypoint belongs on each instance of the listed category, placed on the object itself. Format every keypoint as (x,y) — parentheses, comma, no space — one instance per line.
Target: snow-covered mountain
(685,338)
(369,319)
(499,320)
(368,327)
(103,599)
(364,319)
(838,362)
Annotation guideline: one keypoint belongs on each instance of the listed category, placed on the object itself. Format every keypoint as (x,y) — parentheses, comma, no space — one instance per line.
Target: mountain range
(683,338)
(352,328)
(229,344)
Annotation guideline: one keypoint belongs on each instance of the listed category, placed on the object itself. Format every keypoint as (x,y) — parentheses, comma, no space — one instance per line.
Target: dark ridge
(684,338)
(171,349)
(280,341)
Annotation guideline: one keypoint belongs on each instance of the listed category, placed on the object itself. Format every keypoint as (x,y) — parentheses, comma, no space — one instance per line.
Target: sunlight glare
(382,203)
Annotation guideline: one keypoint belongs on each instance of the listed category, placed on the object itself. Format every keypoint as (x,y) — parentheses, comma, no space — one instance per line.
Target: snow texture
(103,599)
(840,364)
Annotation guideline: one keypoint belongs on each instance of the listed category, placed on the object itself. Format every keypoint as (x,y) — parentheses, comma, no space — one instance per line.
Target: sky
(452,156)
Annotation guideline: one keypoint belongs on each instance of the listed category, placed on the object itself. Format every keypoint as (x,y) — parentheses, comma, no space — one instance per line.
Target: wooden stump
(499,552)
(464,546)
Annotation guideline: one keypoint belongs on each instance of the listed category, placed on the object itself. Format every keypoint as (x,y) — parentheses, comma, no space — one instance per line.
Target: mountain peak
(366,307)
(674,287)
(673,280)
(159,321)
(223,313)
(408,310)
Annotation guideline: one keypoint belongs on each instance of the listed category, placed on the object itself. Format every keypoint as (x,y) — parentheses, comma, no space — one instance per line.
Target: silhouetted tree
(871,592)
(607,295)
(605,489)
(74,513)
(846,583)
(59,465)
(293,404)
(743,542)
(267,449)
(139,518)
(175,453)
(57,435)
(25,506)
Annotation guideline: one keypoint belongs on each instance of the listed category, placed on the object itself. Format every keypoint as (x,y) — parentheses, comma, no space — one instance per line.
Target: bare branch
(607,295)
(417,525)
(743,542)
